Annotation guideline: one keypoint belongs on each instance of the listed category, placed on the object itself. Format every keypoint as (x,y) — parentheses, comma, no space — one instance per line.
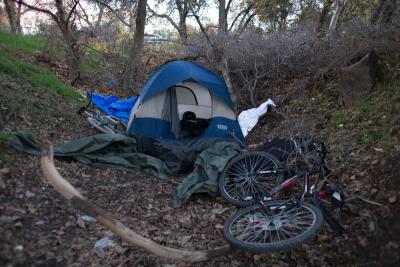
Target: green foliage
(24,99)
(6,137)
(339,117)
(20,43)
(36,76)
(332,88)
(374,115)
(91,61)
(366,139)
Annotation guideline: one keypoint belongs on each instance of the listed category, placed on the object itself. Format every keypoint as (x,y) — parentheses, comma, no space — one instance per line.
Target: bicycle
(270,223)
(104,123)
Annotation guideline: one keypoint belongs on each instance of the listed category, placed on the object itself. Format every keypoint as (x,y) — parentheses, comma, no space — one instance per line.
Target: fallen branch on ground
(365,200)
(78,201)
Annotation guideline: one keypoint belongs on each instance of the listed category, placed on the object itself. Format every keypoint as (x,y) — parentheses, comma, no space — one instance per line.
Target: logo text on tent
(222,127)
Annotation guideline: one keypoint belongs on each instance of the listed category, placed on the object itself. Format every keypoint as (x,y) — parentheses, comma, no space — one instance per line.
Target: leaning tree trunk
(225,74)
(133,72)
(339,7)
(10,8)
(220,56)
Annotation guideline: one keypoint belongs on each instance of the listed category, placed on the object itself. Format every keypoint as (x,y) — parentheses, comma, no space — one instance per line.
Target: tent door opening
(190,109)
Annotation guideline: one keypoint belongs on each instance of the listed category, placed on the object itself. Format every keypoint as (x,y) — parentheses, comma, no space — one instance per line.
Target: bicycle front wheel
(247,175)
(278,226)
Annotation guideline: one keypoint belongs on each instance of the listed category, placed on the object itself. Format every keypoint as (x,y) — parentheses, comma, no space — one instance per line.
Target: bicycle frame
(287,183)
(305,176)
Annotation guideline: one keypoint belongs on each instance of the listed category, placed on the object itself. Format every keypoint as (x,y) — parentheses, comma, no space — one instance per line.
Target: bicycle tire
(102,128)
(279,245)
(228,178)
(117,125)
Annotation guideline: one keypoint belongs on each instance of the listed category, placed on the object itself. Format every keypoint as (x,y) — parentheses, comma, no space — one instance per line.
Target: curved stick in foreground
(78,201)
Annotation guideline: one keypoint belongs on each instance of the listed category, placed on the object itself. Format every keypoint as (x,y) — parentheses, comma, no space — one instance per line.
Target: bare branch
(85,16)
(228,6)
(42,10)
(365,200)
(129,25)
(246,23)
(72,10)
(165,16)
(243,13)
(202,28)
(78,201)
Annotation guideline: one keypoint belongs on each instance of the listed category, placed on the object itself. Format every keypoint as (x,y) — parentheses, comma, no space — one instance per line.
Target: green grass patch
(332,89)
(36,76)
(91,61)
(6,137)
(366,139)
(20,43)
(339,117)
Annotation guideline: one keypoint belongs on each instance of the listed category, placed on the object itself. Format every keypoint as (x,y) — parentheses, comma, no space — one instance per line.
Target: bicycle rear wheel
(117,125)
(278,226)
(246,175)
(100,126)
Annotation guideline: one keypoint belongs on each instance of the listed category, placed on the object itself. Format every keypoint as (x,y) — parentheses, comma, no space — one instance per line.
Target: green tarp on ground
(121,152)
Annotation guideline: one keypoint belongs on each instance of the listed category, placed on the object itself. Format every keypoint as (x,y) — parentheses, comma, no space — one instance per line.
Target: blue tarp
(111,105)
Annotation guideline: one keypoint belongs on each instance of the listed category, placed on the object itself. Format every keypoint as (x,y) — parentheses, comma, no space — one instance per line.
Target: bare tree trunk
(74,61)
(133,71)
(72,50)
(322,18)
(339,4)
(218,47)
(221,59)
(183,30)
(222,18)
(10,8)
(183,9)
(225,74)
(18,27)
(99,17)
(283,14)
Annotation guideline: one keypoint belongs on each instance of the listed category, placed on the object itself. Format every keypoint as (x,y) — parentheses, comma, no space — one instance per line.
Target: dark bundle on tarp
(205,158)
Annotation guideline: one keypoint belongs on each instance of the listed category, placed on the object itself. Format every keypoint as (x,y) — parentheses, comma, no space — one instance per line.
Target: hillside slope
(40,229)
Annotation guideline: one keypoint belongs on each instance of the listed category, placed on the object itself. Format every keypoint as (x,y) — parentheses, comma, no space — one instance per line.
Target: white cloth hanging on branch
(248,118)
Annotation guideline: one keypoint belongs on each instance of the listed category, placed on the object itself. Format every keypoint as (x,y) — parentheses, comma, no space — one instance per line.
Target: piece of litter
(101,244)
(87,218)
(337,196)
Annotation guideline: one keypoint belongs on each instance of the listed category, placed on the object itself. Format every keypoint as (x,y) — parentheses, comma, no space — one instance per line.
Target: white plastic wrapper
(101,244)
(248,118)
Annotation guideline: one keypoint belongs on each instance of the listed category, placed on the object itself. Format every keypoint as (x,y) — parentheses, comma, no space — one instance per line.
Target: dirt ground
(39,228)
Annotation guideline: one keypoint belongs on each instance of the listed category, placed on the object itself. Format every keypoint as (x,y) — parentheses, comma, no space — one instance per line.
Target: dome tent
(181,88)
